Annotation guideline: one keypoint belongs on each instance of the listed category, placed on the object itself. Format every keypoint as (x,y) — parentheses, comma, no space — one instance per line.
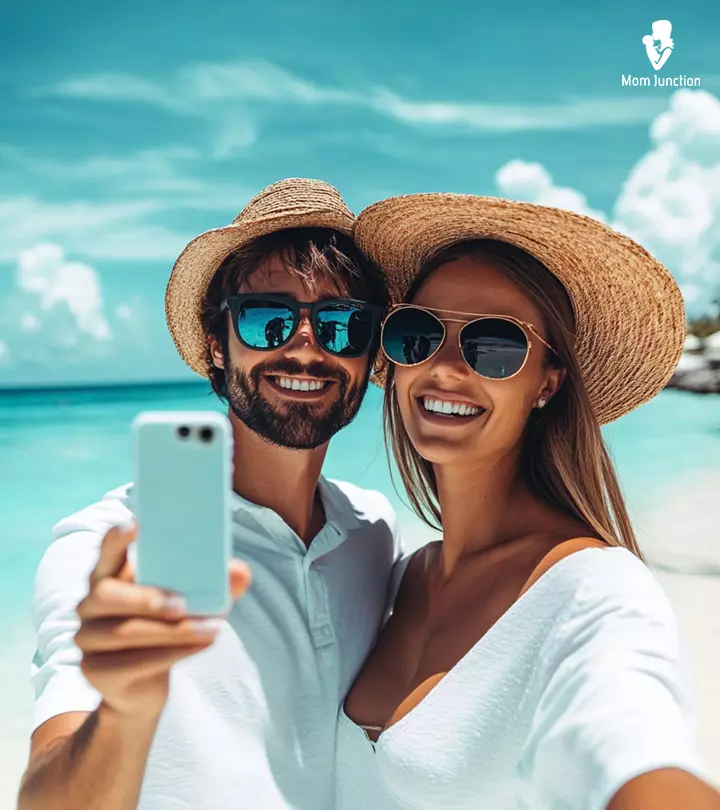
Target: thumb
(113,551)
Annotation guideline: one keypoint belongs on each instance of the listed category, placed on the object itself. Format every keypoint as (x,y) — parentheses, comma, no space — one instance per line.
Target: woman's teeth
(449,408)
(300,385)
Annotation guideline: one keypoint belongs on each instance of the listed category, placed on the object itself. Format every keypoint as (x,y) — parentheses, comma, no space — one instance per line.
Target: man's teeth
(293,384)
(449,408)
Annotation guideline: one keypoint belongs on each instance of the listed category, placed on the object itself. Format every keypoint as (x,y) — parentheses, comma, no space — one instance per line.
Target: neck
(280,479)
(483,506)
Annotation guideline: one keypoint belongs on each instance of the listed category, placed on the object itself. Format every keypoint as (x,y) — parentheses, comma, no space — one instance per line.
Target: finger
(240,578)
(113,598)
(134,665)
(106,635)
(127,572)
(113,551)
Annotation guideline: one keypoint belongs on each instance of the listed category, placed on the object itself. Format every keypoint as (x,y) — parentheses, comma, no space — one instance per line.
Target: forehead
(474,286)
(273,276)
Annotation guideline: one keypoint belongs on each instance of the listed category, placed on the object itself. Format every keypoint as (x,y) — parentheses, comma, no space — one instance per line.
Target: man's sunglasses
(265,322)
(494,346)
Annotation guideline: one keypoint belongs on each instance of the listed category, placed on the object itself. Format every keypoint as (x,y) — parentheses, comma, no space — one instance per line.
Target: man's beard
(297,425)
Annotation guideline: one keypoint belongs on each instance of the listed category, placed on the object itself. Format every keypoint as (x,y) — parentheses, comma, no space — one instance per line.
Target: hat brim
(198,263)
(629,313)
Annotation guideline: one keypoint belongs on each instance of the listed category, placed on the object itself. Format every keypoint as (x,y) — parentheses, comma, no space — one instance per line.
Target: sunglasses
(342,326)
(494,346)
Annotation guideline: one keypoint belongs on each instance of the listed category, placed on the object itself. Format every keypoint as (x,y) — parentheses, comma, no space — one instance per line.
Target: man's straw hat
(629,314)
(291,203)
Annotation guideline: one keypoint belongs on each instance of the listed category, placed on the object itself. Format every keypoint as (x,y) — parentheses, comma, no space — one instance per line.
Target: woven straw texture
(630,319)
(290,203)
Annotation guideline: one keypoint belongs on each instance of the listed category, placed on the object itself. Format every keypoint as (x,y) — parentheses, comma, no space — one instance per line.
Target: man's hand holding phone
(130,635)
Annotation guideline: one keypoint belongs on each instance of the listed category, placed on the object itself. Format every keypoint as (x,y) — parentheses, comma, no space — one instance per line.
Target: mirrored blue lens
(344,329)
(265,325)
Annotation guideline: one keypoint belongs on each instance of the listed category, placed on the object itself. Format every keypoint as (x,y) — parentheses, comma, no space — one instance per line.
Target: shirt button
(323,635)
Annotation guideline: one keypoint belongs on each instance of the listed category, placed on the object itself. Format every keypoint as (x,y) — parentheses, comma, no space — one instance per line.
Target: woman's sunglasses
(264,322)
(494,346)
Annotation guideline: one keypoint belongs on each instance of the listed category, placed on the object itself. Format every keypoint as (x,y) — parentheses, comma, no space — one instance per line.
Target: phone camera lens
(183,432)
(206,434)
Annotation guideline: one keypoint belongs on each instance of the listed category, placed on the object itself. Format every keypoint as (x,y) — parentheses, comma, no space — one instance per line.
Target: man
(247,716)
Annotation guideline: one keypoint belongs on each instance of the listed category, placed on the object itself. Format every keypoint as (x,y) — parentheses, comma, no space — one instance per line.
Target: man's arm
(130,636)
(86,760)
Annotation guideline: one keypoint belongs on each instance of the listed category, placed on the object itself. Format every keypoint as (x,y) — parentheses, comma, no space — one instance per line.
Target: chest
(428,634)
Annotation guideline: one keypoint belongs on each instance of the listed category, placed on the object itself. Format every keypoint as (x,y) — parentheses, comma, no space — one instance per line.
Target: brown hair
(564,458)
(310,253)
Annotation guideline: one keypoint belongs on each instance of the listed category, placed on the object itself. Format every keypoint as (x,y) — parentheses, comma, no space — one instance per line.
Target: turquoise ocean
(62,450)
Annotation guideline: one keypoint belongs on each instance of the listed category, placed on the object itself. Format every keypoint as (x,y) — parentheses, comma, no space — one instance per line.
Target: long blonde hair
(564,458)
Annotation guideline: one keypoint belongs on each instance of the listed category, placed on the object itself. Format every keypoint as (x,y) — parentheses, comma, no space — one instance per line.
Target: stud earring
(542,402)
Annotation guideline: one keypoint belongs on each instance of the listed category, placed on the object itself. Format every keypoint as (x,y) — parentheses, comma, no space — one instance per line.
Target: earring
(542,402)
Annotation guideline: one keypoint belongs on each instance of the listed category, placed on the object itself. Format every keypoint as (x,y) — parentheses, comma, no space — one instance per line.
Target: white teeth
(449,408)
(300,385)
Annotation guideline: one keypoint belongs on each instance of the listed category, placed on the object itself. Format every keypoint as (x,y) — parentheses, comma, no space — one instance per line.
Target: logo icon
(659,45)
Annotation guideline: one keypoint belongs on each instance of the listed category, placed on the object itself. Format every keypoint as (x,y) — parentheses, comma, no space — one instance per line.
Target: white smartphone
(181,498)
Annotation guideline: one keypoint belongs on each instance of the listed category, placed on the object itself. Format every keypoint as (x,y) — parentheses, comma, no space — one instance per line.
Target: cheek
(357,369)
(404,378)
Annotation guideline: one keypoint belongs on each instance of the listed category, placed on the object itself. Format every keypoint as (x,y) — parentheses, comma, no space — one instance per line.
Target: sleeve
(614,702)
(61,582)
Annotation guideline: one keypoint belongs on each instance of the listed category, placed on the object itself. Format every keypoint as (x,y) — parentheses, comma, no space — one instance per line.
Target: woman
(531,660)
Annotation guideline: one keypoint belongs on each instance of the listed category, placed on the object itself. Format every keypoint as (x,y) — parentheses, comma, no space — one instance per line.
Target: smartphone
(181,498)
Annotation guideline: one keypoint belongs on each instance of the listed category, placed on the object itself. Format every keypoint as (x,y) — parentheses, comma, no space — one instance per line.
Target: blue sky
(127,129)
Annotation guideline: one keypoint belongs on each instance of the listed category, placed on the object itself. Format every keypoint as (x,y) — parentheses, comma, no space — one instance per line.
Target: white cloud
(44,271)
(204,89)
(54,322)
(572,114)
(94,230)
(110,87)
(29,322)
(532,182)
(670,201)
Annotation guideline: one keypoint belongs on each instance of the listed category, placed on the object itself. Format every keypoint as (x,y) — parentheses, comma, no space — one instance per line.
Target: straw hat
(290,203)
(630,319)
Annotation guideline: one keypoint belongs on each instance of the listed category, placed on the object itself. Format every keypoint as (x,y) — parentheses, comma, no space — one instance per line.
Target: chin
(440,449)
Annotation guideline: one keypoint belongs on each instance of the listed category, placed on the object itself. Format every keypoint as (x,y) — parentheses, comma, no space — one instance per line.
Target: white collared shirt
(250,722)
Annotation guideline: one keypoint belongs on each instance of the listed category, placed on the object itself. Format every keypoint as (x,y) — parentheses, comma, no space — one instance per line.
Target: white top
(250,722)
(579,687)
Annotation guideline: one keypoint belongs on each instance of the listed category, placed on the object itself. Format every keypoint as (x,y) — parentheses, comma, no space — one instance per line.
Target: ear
(554,378)
(216,353)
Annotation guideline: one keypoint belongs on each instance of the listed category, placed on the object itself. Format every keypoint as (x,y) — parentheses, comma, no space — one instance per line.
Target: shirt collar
(340,519)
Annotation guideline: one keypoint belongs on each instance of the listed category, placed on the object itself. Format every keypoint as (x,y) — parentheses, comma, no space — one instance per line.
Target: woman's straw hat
(291,203)
(629,314)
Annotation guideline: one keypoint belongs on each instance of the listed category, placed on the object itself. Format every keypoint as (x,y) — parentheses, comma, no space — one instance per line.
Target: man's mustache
(292,368)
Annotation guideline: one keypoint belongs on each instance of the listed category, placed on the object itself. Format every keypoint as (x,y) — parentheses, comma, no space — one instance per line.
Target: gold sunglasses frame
(469,317)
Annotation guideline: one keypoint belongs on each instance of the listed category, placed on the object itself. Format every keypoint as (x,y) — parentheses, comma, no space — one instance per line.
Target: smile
(449,408)
(293,384)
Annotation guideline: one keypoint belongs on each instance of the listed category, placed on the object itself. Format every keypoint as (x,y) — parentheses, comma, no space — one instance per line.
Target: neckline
(481,642)
(339,521)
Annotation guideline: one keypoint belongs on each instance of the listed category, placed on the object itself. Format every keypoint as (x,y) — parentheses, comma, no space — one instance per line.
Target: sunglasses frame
(469,318)
(235,301)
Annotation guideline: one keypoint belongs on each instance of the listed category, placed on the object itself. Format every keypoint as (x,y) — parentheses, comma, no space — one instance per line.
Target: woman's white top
(579,687)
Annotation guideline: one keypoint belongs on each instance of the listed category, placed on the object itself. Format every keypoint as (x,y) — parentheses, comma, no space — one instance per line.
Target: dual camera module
(205,434)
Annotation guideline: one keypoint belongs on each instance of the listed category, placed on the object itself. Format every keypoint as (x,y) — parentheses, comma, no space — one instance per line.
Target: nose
(304,346)
(448,362)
